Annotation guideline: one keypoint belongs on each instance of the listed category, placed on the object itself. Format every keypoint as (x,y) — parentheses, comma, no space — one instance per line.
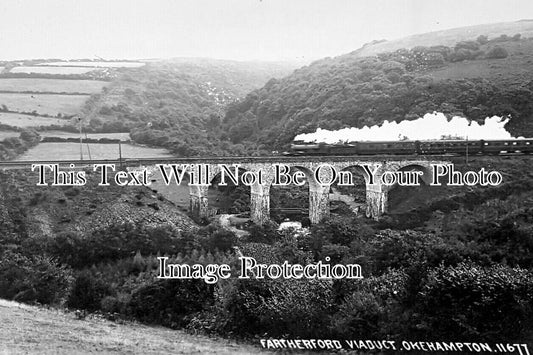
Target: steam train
(437,147)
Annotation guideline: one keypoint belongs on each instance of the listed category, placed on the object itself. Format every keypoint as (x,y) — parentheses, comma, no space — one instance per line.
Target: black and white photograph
(266,177)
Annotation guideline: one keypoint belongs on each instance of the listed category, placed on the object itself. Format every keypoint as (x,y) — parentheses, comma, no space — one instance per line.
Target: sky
(273,30)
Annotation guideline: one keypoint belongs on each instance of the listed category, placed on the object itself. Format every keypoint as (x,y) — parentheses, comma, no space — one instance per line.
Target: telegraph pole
(466,150)
(120,154)
(81,139)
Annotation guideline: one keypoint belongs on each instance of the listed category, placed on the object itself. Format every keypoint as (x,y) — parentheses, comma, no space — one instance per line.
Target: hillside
(178,104)
(52,218)
(156,99)
(34,330)
(449,37)
(475,79)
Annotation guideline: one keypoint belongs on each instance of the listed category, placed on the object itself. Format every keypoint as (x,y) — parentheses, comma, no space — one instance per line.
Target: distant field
(8,134)
(507,70)
(71,151)
(63,134)
(451,37)
(51,85)
(50,104)
(21,120)
(97,64)
(51,70)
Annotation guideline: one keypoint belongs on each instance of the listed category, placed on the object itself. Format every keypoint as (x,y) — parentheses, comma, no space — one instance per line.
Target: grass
(50,104)
(71,151)
(8,134)
(21,120)
(63,134)
(97,64)
(507,70)
(51,70)
(52,85)
(33,330)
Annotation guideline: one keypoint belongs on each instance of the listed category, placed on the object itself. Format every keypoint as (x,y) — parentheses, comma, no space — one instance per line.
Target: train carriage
(456,147)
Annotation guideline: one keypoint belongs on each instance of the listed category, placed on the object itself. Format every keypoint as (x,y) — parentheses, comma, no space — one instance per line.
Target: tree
(497,52)
(482,39)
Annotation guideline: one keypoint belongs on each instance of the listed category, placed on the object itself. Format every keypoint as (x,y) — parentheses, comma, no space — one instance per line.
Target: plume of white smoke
(433,126)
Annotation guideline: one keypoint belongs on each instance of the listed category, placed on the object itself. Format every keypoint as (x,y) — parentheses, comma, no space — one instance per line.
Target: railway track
(128,162)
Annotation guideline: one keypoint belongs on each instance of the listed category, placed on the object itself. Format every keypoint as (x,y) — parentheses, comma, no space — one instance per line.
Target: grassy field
(97,64)
(51,70)
(52,85)
(506,70)
(21,120)
(71,151)
(32,330)
(62,134)
(8,134)
(451,37)
(50,104)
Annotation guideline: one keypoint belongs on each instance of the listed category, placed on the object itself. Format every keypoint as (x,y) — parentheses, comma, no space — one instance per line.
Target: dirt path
(31,330)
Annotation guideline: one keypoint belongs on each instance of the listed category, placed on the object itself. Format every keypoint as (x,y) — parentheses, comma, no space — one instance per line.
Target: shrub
(402,249)
(468,301)
(482,39)
(341,231)
(88,291)
(170,302)
(276,307)
(115,304)
(36,279)
(267,233)
(469,45)
(496,52)
(30,136)
(370,307)
(221,240)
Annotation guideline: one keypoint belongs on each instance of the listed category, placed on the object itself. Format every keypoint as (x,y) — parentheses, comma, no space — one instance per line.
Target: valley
(439,262)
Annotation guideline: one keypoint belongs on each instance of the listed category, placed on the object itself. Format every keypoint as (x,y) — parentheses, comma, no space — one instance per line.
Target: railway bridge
(318,173)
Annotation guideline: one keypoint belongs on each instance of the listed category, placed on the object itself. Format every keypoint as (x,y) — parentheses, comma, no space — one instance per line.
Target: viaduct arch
(319,173)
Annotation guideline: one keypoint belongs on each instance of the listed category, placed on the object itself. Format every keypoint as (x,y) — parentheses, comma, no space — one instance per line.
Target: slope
(34,330)
(475,79)
(449,37)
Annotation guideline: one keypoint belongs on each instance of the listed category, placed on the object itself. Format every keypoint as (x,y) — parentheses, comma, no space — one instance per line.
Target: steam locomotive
(438,147)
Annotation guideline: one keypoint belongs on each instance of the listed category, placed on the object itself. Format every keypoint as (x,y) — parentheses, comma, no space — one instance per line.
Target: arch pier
(318,173)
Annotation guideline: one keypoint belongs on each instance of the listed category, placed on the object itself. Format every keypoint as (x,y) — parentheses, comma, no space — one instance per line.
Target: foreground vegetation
(456,266)
(36,330)
(470,278)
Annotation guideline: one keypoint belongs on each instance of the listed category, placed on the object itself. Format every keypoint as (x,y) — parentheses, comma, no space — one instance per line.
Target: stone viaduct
(318,171)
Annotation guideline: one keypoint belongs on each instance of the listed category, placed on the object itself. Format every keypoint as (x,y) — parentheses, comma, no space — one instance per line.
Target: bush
(469,45)
(112,304)
(88,291)
(222,240)
(36,279)
(496,52)
(482,39)
(276,307)
(400,250)
(370,307)
(170,302)
(472,302)
(267,233)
